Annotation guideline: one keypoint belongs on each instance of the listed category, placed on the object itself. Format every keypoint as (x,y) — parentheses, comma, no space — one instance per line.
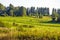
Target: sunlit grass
(18,27)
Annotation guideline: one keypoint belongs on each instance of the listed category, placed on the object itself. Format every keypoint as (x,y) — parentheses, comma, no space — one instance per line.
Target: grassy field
(28,28)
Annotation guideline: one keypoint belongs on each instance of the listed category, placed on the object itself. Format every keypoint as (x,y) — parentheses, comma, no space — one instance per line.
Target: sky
(35,3)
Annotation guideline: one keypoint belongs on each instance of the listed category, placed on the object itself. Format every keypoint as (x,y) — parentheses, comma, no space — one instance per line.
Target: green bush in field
(15,24)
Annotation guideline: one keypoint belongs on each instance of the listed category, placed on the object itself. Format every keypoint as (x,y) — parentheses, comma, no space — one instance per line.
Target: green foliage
(2,7)
(23,11)
(11,12)
(18,11)
(11,6)
(58,17)
(5,14)
(54,15)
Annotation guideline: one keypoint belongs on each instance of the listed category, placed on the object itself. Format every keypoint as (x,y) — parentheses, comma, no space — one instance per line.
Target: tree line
(22,11)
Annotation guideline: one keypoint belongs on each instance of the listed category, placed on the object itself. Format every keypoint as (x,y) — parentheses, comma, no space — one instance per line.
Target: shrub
(30,26)
(14,24)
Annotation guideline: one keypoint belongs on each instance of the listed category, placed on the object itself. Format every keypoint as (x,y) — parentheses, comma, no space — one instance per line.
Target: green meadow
(29,28)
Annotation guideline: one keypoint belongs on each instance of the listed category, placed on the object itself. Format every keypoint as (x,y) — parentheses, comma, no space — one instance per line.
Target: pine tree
(11,13)
(54,15)
(22,11)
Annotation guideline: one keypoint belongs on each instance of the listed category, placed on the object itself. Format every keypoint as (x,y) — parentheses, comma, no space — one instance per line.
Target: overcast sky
(36,3)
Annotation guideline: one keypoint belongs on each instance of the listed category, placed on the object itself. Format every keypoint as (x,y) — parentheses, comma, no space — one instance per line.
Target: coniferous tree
(58,17)
(11,10)
(23,11)
(2,9)
(11,13)
(54,14)
(5,14)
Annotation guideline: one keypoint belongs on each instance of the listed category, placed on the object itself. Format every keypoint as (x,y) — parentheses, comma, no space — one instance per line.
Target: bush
(30,26)
(14,24)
